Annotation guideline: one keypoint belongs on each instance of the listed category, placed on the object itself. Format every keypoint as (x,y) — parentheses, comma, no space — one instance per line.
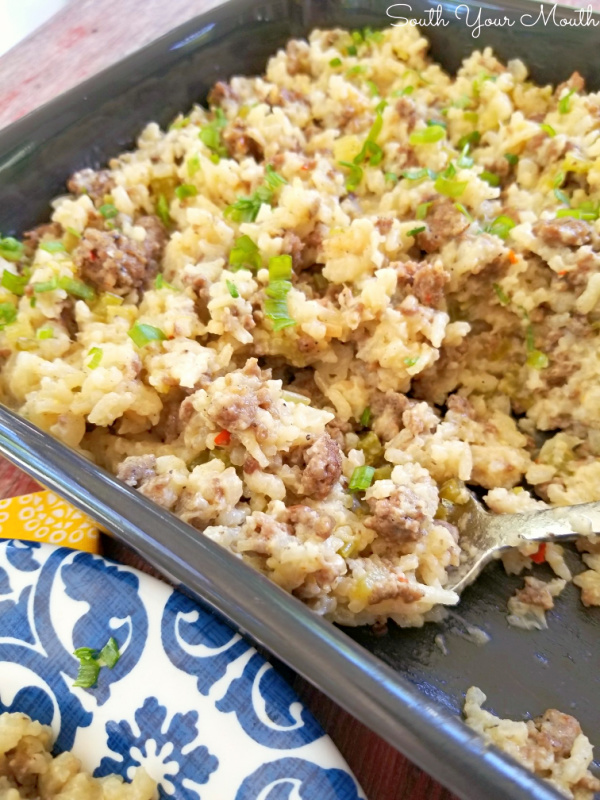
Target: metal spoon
(483,535)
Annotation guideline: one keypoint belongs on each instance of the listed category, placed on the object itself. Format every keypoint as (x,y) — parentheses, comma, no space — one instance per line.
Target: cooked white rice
(439,315)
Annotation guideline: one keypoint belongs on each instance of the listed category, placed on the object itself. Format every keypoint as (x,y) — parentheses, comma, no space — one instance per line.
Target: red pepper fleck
(540,555)
(512,257)
(223,438)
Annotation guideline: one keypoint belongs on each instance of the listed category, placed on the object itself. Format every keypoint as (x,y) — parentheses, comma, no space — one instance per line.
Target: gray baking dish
(401,685)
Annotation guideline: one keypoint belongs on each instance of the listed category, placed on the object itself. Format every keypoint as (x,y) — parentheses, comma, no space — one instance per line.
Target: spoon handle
(560,523)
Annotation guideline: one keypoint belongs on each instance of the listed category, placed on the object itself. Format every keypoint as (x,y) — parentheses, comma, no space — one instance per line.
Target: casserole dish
(83,129)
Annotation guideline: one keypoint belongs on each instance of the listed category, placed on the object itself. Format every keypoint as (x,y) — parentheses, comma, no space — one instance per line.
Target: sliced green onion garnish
(559,179)
(355,175)
(414,231)
(14,283)
(442,123)
(87,676)
(410,361)
(162,209)
(562,197)
(335,62)
(76,288)
(45,333)
(185,190)
(512,159)
(161,283)
(537,360)
(422,210)
(73,232)
(381,105)
(95,354)
(564,103)
(245,209)
(490,177)
(108,210)
(529,338)
(245,253)
(11,249)
(371,151)
(365,417)
(8,314)
(109,655)
(45,286)
(391,177)
(429,135)
(362,478)
(232,289)
(501,226)
(273,179)
(501,294)
(193,165)
(373,90)
(548,129)
(351,50)
(464,160)
(53,247)
(449,187)
(280,268)
(210,135)
(418,174)
(463,211)
(470,139)
(142,334)
(358,69)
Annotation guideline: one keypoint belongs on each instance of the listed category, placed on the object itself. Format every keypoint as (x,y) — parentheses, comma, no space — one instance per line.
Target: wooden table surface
(85,37)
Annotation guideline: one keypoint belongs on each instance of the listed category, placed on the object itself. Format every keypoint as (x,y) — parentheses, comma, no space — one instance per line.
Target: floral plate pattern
(189,699)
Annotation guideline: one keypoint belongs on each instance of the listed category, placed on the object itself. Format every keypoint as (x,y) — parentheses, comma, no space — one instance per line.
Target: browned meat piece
(444,223)
(250,465)
(384,225)
(395,588)
(323,468)
(67,317)
(234,413)
(114,263)
(95,183)
(557,731)
(398,517)
(221,91)
(32,238)
(240,144)
(160,490)
(298,58)
(306,344)
(576,83)
(535,593)
(406,110)
(155,241)
(337,430)
(136,470)
(306,521)
(461,405)
(563,231)
(387,410)
(293,246)
(428,284)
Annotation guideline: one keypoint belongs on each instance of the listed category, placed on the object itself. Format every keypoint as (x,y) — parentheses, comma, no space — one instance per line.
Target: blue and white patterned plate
(189,699)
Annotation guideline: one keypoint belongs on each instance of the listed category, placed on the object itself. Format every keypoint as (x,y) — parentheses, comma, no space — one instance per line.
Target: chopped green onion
(490,177)
(244,253)
(429,135)
(501,226)
(210,135)
(372,36)
(232,289)
(562,197)
(449,187)
(335,62)
(109,655)
(95,354)
(472,139)
(280,268)
(418,174)
(442,123)
(537,359)
(358,69)
(464,160)
(186,190)
(391,176)
(529,338)
(501,294)
(371,151)
(361,479)
(450,171)
(415,231)
(14,283)
(161,283)
(76,288)
(463,211)
(245,209)
(142,334)
(8,314)
(45,333)
(422,210)
(180,122)
(357,37)
(11,249)
(548,129)
(45,286)
(565,102)
(559,180)
(410,361)
(193,165)
(108,210)
(355,175)
(403,92)
(351,50)
(53,247)
(89,669)
(365,417)
(276,307)
(373,90)
(73,232)
(162,209)
(512,159)
(464,101)
(33,302)
(273,179)
(381,106)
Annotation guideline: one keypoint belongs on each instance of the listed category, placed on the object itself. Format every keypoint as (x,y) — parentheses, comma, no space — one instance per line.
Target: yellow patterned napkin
(44,517)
